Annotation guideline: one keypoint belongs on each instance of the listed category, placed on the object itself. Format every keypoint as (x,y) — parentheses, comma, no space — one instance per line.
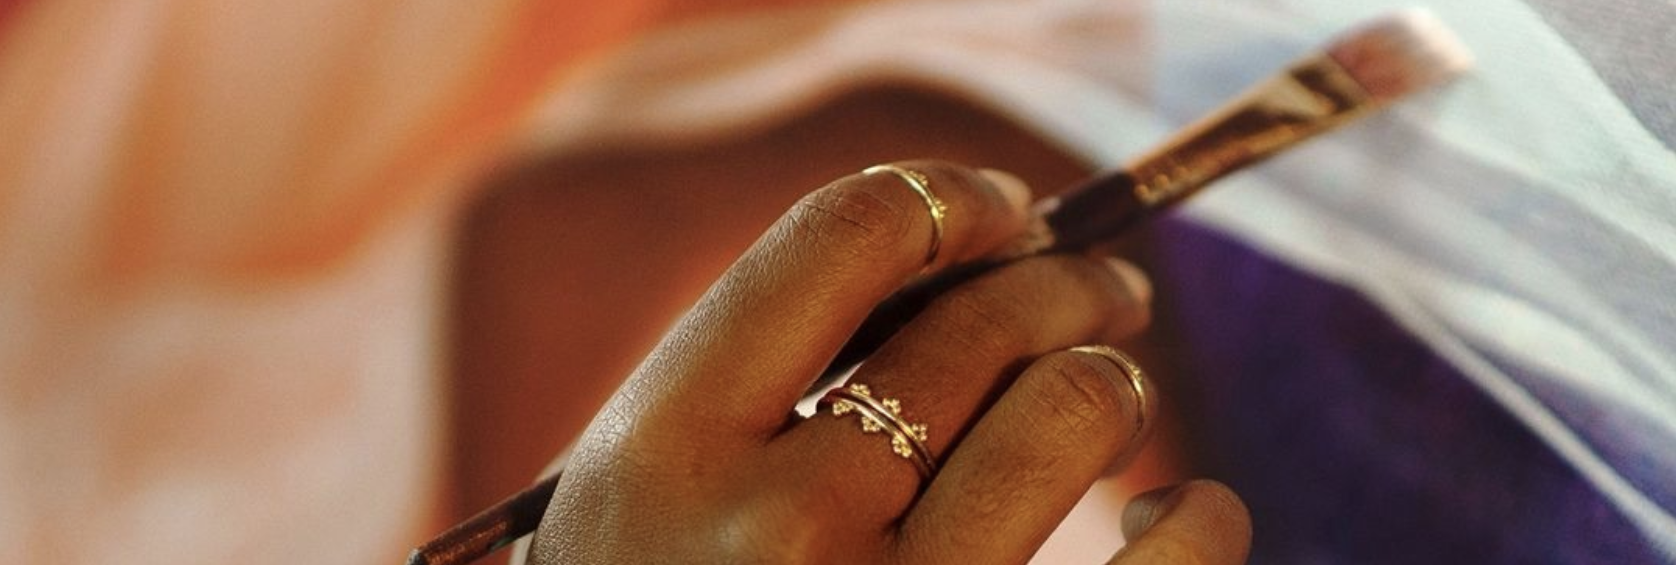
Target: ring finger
(1029,459)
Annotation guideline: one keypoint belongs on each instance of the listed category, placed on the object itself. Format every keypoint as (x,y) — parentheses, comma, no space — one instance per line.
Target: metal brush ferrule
(1312,96)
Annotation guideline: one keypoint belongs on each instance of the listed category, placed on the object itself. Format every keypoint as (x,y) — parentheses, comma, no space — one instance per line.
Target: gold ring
(885,415)
(922,186)
(1131,371)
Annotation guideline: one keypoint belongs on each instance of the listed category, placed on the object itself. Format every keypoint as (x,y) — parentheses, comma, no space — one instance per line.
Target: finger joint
(853,218)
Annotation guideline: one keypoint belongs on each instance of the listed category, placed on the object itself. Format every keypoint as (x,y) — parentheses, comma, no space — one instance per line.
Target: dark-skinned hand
(699,457)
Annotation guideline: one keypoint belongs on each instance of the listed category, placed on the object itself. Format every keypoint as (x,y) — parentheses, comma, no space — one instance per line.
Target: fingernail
(1146,509)
(1037,237)
(1011,187)
(1133,279)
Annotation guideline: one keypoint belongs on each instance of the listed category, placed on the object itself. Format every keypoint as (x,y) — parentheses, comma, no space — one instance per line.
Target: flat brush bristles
(1399,54)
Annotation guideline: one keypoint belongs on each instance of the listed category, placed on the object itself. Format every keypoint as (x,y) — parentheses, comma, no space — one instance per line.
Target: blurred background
(309,281)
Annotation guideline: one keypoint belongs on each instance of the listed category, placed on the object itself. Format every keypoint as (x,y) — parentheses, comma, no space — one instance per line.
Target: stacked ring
(885,415)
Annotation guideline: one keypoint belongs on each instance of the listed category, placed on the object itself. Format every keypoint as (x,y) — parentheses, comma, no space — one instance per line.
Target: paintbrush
(1361,72)
(1357,74)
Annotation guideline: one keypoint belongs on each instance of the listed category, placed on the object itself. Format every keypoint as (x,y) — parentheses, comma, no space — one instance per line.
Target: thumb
(1201,522)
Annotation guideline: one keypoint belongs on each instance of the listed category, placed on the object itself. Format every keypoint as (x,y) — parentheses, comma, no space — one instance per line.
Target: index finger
(778,315)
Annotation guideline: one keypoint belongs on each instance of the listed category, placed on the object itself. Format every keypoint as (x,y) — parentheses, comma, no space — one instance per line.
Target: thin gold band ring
(1131,371)
(933,205)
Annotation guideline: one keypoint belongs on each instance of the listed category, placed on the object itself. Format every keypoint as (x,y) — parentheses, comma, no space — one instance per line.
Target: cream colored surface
(218,343)
(222,227)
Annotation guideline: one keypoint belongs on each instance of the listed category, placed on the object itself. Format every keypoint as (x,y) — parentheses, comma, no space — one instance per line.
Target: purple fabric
(1351,441)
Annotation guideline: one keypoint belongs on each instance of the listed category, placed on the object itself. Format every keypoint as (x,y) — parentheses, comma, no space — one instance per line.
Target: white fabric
(1517,222)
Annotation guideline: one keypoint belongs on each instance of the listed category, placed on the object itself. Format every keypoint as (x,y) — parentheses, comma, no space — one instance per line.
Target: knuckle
(998,311)
(1102,285)
(851,215)
(1115,312)
(988,317)
(1080,281)
(1078,391)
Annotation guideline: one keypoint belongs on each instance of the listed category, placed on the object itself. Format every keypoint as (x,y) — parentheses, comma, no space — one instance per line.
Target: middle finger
(952,361)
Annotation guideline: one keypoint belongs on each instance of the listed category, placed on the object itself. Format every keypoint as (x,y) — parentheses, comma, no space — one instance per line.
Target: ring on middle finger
(907,440)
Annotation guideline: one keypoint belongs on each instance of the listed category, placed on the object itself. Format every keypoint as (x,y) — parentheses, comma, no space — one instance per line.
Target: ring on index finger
(934,206)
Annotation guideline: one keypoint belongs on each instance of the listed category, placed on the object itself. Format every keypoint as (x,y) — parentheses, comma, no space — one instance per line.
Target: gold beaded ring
(933,205)
(1131,371)
(885,415)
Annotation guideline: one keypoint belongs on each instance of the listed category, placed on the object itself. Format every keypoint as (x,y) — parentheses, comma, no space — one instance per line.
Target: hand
(699,457)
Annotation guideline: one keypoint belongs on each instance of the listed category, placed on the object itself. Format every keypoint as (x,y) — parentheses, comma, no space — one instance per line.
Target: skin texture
(698,457)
